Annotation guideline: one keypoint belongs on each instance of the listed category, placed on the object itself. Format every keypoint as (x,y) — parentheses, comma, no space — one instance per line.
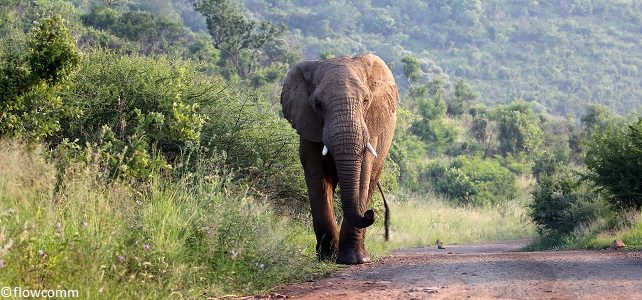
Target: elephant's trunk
(346,137)
(349,173)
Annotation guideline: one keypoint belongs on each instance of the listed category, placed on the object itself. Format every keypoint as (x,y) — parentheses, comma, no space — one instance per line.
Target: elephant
(344,111)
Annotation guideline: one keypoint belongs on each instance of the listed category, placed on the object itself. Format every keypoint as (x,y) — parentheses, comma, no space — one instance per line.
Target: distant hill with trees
(562,54)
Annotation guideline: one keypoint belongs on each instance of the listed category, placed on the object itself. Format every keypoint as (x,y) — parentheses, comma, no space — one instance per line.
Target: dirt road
(492,270)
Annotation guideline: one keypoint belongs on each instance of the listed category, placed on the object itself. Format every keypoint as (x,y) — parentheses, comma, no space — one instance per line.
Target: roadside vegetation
(200,236)
(421,221)
(143,153)
(591,205)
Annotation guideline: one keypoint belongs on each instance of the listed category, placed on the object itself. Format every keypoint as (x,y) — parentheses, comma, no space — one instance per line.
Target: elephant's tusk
(325,150)
(371,149)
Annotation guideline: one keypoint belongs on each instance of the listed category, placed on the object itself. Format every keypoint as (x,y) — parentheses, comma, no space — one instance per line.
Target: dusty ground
(492,270)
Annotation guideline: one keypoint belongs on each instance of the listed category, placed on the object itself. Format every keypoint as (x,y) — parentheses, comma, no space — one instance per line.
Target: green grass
(597,235)
(424,219)
(632,236)
(200,237)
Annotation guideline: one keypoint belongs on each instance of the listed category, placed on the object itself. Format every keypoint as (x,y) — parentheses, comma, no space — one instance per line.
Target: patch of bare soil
(491,270)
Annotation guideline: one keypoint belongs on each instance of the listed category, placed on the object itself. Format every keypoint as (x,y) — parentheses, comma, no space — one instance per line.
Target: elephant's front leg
(351,245)
(320,178)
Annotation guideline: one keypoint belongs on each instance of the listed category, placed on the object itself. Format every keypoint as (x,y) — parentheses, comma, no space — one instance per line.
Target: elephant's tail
(386,222)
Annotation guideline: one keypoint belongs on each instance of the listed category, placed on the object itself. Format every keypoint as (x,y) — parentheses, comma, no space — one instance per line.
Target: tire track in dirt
(490,270)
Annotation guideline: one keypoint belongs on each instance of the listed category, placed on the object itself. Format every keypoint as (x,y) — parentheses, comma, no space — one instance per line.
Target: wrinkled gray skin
(342,103)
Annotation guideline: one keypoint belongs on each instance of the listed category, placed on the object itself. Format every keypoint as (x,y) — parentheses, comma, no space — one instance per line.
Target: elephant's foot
(352,256)
(352,250)
(326,253)
(326,248)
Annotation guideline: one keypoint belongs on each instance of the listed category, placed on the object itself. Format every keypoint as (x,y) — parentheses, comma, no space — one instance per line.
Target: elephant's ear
(384,95)
(295,101)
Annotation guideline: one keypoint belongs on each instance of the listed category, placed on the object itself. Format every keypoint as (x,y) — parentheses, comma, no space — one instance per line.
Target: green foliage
(51,49)
(130,117)
(269,75)
(518,128)
(563,202)
(558,138)
(378,20)
(139,126)
(410,68)
(407,151)
(32,69)
(482,129)
(472,180)
(239,38)
(433,128)
(614,161)
(431,108)
(466,12)
(5,14)
(440,134)
(201,236)
(545,164)
(257,142)
(143,31)
(464,98)
(597,119)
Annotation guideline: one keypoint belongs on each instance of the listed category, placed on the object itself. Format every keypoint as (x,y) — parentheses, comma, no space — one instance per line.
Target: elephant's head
(344,103)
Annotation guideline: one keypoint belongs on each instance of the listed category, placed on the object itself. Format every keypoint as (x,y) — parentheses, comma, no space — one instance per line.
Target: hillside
(563,54)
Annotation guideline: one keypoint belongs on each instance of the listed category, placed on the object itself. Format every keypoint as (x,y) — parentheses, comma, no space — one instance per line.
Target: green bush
(32,69)
(141,114)
(518,128)
(432,126)
(563,202)
(473,180)
(138,122)
(253,139)
(517,165)
(545,164)
(614,161)
(407,151)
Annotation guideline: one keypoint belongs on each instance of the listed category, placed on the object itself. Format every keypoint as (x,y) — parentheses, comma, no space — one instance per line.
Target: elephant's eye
(318,106)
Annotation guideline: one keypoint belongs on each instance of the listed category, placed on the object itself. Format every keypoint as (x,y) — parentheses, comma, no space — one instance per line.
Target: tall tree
(31,68)
(465,97)
(614,161)
(518,128)
(482,128)
(411,69)
(237,37)
(598,118)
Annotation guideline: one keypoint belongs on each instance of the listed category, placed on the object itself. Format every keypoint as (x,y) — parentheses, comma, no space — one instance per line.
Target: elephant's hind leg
(321,181)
